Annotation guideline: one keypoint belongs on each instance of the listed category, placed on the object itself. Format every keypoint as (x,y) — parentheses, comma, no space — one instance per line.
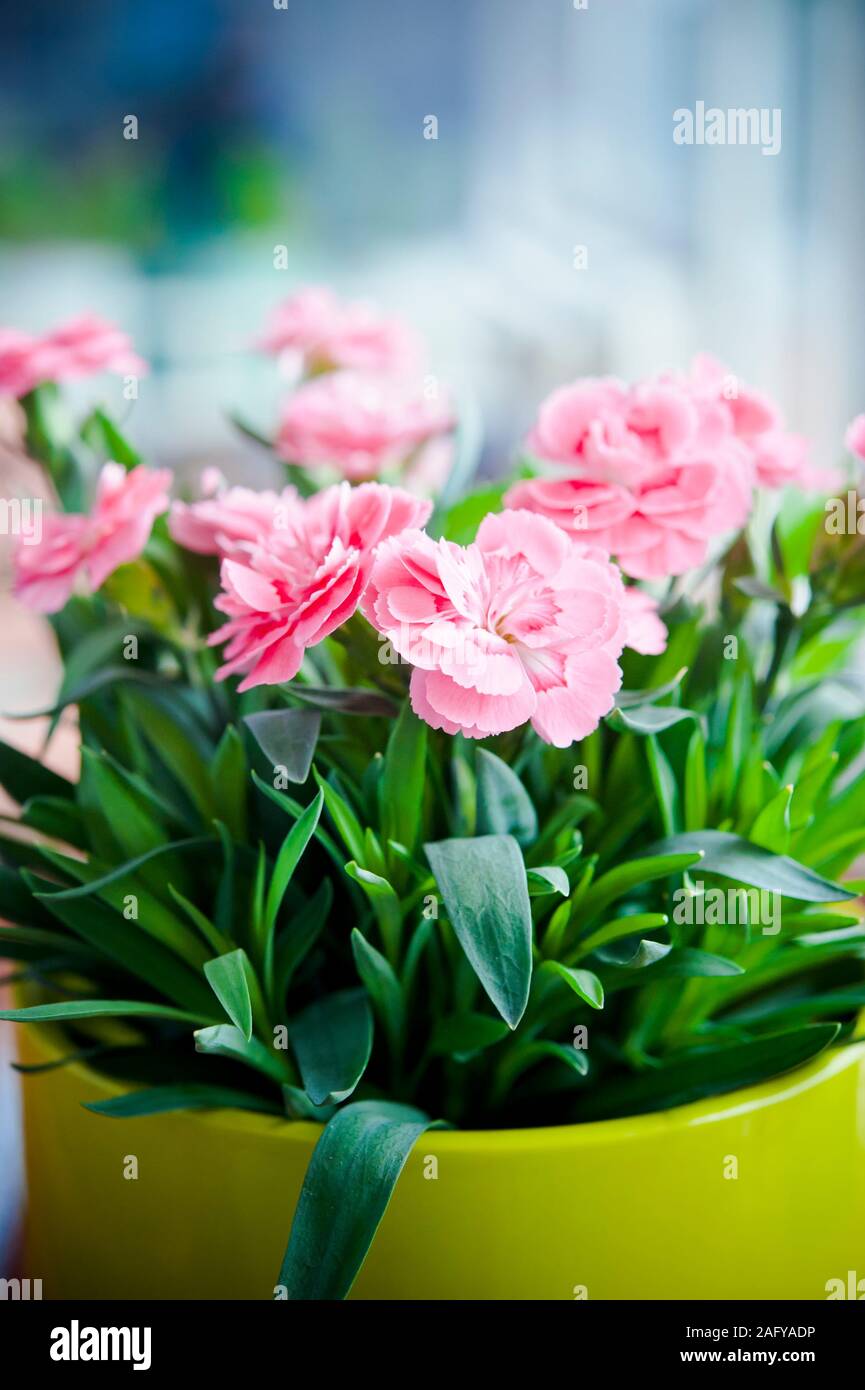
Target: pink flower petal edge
(359,423)
(76,551)
(303,581)
(324,333)
(82,347)
(521,626)
(655,471)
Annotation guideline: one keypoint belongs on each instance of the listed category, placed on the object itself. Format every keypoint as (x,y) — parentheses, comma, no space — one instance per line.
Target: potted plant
(492,837)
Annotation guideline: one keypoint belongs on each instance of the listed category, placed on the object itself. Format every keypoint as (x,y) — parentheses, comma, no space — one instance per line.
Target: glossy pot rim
(728,1105)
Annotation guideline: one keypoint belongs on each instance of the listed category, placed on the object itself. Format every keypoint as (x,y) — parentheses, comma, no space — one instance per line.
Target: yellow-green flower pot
(755,1194)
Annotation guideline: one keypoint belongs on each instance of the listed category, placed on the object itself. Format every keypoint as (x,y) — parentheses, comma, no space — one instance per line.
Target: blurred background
(300,124)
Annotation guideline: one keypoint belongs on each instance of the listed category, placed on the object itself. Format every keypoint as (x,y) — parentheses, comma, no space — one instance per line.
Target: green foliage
(333,912)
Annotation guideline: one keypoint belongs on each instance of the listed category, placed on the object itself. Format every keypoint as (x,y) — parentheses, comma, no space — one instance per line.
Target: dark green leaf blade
(731,856)
(483,883)
(352,1173)
(504,805)
(332,1041)
(707,1073)
(158,1100)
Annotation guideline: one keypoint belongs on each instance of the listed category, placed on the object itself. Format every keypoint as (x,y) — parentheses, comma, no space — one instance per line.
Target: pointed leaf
(483,883)
(332,1041)
(730,856)
(352,1173)
(582,982)
(287,738)
(504,805)
(229,978)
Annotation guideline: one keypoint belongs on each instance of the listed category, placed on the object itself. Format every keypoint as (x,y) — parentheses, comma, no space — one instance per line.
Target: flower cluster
(323,333)
(654,471)
(82,347)
(526,624)
(362,424)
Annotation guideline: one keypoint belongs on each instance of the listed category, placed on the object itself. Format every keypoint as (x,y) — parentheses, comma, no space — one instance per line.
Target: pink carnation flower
(644,631)
(307,580)
(85,550)
(653,472)
(523,625)
(323,332)
(780,459)
(855,437)
(232,521)
(82,347)
(359,424)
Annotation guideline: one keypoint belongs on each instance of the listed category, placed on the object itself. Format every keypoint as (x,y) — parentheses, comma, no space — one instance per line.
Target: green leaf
(17,903)
(344,818)
(23,777)
(287,860)
(582,982)
(621,927)
(533,1052)
(547,878)
(352,1173)
(158,1100)
(625,956)
(462,1036)
(229,780)
(124,942)
(383,987)
(231,977)
(463,519)
(706,1072)
(696,798)
(179,743)
(287,738)
(386,906)
(150,913)
(665,785)
(212,935)
(771,829)
(298,937)
(730,856)
(628,699)
(96,1008)
(504,805)
(332,1041)
(649,719)
(483,883)
(345,700)
(103,436)
(401,786)
(688,962)
(50,440)
(224,1040)
(635,872)
(753,587)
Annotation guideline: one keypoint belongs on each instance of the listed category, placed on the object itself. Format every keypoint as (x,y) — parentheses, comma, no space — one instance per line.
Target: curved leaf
(332,1041)
(730,856)
(504,805)
(582,982)
(706,1072)
(157,1100)
(483,883)
(353,1171)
